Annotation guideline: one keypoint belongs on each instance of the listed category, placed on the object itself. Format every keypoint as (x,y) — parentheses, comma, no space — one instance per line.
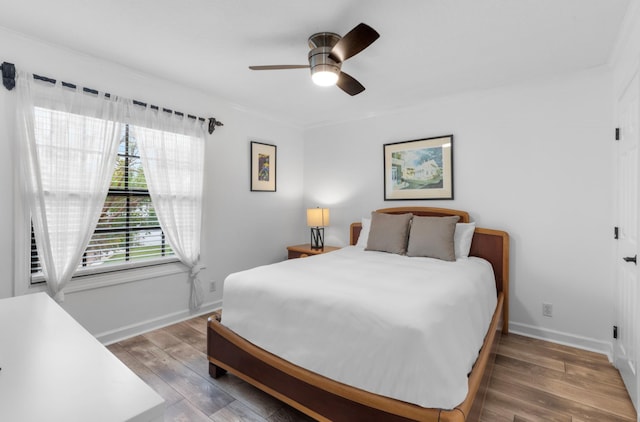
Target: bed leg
(215,371)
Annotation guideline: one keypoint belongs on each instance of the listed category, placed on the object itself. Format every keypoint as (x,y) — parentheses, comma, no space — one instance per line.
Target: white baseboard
(122,333)
(585,343)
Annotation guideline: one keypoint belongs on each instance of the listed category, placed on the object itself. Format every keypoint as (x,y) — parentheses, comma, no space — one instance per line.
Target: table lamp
(317,219)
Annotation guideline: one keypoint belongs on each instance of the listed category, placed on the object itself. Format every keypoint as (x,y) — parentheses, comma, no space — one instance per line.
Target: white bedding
(406,328)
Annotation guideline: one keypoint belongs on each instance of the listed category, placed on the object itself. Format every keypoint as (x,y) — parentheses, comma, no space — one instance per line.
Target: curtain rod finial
(213,123)
(8,75)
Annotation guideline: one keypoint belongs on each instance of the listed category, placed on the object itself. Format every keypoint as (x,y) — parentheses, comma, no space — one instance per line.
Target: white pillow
(364,233)
(462,239)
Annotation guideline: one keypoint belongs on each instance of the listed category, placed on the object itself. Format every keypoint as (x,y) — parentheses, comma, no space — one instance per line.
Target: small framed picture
(263,167)
(419,169)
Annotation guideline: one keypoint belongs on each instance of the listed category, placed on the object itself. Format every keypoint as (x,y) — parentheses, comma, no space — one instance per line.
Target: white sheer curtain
(67,141)
(172,153)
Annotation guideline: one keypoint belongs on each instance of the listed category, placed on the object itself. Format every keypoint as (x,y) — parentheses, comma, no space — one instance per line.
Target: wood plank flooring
(532,381)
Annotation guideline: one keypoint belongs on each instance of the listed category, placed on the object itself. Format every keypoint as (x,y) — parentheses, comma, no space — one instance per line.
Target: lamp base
(317,238)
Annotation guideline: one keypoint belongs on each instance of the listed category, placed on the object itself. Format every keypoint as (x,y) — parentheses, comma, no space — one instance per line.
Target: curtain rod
(9,82)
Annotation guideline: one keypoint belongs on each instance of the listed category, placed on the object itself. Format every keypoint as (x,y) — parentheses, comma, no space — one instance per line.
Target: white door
(626,345)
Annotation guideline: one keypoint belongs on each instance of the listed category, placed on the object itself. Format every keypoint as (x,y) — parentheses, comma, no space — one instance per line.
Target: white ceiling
(426,47)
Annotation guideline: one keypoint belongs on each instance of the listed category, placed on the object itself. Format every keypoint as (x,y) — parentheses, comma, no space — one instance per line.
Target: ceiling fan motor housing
(319,60)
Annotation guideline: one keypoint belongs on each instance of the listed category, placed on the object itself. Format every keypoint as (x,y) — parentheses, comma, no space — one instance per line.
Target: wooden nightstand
(303,251)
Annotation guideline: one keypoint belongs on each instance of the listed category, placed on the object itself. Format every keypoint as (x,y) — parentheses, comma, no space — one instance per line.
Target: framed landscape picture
(263,167)
(419,169)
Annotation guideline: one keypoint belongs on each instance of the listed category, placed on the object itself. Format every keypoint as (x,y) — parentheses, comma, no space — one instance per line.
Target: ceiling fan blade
(349,85)
(356,40)
(280,67)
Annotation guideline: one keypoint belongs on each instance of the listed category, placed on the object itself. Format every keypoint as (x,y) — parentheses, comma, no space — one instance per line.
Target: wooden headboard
(492,245)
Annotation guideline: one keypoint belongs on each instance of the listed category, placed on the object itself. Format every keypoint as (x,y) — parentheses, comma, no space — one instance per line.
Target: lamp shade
(317,217)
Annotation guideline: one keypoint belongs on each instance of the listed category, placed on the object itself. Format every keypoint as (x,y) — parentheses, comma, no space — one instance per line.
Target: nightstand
(303,251)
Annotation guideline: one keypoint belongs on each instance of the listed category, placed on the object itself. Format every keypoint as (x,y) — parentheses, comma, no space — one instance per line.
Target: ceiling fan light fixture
(324,70)
(324,75)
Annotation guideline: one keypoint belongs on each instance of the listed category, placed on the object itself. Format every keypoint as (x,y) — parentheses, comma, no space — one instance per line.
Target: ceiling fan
(328,52)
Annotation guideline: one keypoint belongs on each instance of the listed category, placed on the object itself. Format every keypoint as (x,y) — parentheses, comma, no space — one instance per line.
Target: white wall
(626,55)
(241,229)
(532,159)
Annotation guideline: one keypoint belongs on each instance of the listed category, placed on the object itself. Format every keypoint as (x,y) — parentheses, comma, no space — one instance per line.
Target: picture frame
(419,169)
(263,167)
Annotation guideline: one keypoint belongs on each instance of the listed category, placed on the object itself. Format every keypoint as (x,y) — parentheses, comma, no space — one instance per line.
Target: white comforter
(406,328)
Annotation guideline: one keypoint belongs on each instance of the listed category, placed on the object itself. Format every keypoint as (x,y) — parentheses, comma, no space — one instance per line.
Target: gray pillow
(389,232)
(433,237)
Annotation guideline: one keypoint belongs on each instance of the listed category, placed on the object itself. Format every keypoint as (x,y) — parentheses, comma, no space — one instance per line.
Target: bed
(325,397)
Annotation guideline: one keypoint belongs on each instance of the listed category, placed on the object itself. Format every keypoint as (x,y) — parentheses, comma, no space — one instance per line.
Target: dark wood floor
(532,381)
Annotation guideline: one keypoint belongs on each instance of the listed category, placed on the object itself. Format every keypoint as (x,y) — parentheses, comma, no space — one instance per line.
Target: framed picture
(263,167)
(419,169)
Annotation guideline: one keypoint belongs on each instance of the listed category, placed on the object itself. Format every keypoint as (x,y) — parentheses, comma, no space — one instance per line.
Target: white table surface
(55,370)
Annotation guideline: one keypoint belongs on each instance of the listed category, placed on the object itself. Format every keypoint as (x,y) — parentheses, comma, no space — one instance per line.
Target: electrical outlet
(212,286)
(547,310)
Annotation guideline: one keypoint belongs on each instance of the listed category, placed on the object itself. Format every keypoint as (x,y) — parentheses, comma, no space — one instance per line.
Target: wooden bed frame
(327,400)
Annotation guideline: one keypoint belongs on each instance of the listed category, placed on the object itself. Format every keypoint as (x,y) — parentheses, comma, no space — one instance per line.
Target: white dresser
(54,370)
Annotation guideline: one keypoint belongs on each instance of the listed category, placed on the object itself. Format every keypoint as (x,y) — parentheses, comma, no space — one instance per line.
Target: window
(128,233)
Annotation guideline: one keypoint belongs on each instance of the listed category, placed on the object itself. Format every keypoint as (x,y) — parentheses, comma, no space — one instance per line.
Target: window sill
(100,280)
